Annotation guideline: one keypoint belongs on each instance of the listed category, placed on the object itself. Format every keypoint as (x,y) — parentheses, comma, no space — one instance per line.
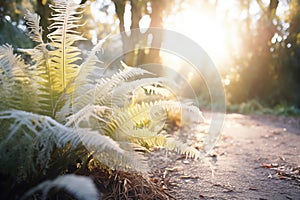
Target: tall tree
(254,60)
(156,9)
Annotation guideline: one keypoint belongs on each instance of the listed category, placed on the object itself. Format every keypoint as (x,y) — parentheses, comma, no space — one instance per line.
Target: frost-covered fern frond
(55,67)
(100,93)
(33,23)
(182,148)
(150,115)
(89,71)
(137,90)
(41,69)
(105,87)
(187,112)
(12,66)
(142,124)
(83,82)
(169,143)
(80,187)
(85,114)
(63,65)
(136,121)
(36,135)
(16,87)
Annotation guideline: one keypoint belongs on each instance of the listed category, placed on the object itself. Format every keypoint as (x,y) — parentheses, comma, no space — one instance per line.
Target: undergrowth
(63,119)
(255,107)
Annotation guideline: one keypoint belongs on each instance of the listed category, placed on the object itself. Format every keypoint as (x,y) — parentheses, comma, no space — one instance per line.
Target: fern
(80,187)
(85,114)
(59,103)
(40,70)
(104,90)
(55,68)
(16,87)
(121,93)
(63,58)
(35,31)
(142,123)
(37,135)
(83,82)
(169,143)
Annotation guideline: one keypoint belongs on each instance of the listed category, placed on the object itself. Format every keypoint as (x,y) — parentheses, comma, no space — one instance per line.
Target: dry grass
(126,185)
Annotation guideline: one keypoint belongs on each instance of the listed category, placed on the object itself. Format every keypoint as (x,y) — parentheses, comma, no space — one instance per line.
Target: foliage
(255,107)
(266,68)
(56,112)
(81,187)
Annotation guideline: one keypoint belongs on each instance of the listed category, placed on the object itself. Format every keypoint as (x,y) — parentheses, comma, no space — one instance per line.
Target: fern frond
(186,111)
(121,126)
(55,68)
(80,187)
(169,143)
(40,74)
(41,69)
(63,59)
(33,23)
(182,148)
(85,114)
(105,86)
(82,83)
(100,93)
(36,135)
(12,66)
(121,93)
(88,69)
(16,87)
(138,121)
(151,115)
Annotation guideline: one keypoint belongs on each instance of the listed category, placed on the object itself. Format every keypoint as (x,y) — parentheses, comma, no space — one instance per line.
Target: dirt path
(258,157)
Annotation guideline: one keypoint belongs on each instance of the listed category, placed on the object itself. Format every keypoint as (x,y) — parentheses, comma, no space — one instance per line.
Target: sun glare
(204,28)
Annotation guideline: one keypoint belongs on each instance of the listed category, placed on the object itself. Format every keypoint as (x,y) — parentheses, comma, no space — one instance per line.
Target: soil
(257,157)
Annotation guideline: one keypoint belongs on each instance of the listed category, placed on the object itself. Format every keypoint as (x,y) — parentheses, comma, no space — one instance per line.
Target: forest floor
(257,157)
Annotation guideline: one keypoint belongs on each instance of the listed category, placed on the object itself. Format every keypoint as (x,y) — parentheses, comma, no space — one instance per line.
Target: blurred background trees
(267,65)
(254,43)
(150,10)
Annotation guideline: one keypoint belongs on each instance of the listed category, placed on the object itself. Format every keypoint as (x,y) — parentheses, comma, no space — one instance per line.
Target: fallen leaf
(265,165)
(186,162)
(185,176)
(252,188)
(270,176)
(172,169)
(173,184)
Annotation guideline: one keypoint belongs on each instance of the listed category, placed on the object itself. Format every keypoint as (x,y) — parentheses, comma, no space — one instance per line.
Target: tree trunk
(135,40)
(44,11)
